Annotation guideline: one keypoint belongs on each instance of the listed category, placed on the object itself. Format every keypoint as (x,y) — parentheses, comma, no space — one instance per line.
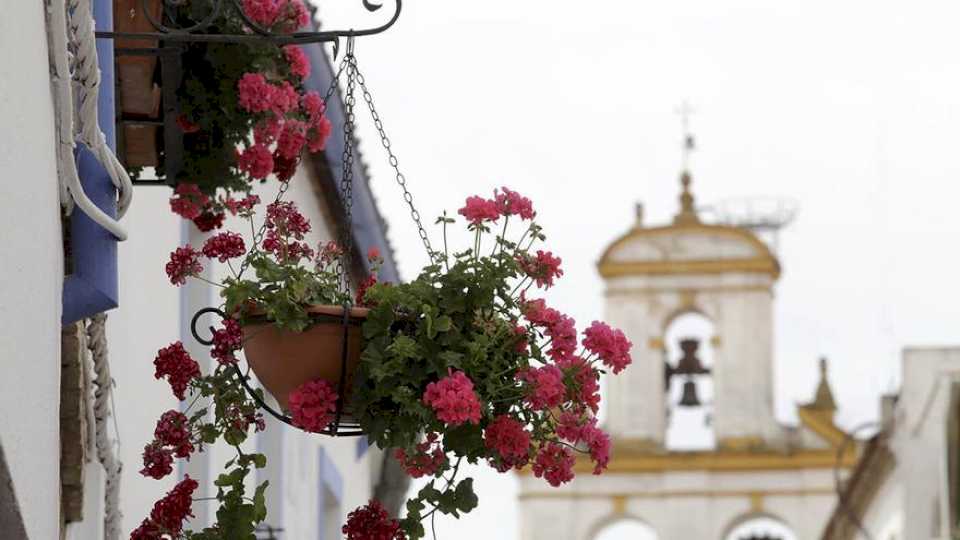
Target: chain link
(385,141)
(346,177)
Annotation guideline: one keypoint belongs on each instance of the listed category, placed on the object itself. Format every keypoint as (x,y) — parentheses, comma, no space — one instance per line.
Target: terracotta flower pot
(283,360)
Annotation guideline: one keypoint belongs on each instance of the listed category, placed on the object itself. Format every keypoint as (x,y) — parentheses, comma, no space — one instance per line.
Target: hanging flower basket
(284,360)
(458,365)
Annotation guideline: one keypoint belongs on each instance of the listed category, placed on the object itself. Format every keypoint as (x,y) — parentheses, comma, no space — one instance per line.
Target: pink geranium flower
(298,61)
(188,201)
(256,95)
(511,203)
(545,387)
(477,210)
(507,437)
(610,344)
(224,246)
(184,262)
(256,160)
(176,365)
(453,399)
(554,463)
(313,405)
(543,268)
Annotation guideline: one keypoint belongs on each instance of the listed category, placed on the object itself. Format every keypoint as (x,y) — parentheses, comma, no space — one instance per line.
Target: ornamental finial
(688,212)
(824,397)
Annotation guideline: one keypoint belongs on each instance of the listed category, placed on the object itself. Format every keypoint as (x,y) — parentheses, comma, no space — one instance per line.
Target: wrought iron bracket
(340,427)
(196,32)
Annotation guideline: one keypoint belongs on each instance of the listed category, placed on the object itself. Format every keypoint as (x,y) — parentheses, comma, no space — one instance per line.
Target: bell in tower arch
(689,397)
(689,363)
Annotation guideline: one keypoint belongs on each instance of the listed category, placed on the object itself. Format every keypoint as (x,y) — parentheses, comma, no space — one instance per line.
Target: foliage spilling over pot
(458,364)
(243,108)
(288,276)
(461,364)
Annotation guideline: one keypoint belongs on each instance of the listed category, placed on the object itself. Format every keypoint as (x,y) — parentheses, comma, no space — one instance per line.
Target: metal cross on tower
(686,111)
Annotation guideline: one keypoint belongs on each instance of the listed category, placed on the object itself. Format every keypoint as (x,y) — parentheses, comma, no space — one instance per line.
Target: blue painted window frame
(91,287)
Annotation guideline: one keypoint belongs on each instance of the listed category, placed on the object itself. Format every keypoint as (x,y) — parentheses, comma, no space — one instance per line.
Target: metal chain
(346,177)
(385,141)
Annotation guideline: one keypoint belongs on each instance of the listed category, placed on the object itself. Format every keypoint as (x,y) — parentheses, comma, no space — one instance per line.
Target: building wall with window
(51,482)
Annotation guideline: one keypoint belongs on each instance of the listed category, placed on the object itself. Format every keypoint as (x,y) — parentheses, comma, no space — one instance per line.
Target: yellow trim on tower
(653,494)
(724,461)
(765,262)
(758,265)
(820,421)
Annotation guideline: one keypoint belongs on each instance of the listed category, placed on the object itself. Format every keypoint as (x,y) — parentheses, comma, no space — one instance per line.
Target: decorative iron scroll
(197,31)
(340,427)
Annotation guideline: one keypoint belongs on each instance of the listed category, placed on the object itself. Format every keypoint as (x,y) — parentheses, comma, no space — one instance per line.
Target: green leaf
(444,323)
(259,502)
(466,498)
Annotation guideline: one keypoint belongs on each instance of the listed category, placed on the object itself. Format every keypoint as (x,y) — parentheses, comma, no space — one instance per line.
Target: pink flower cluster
(179,368)
(426,459)
(286,227)
(313,405)
(289,121)
(256,160)
(453,399)
(226,341)
(554,463)
(184,262)
(371,522)
(242,207)
(188,201)
(545,388)
(585,390)
(173,430)
(283,15)
(166,518)
(171,438)
(297,60)
(543,268)
(560,328)
(507,437)
(511,203)
(157,461)
(209,220)
(478,210)
(611,345)
(223,246)
(575,430)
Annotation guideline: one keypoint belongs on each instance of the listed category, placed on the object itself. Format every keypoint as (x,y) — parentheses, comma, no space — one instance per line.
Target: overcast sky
(850,108)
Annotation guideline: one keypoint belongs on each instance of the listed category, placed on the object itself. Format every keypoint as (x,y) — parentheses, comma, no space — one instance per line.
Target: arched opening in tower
(688,382)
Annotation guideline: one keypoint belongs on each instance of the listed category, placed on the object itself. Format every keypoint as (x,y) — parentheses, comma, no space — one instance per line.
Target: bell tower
(696,299)
(653,275)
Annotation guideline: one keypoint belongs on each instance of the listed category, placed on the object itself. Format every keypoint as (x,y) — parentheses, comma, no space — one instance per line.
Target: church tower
(653,276)
(752,477)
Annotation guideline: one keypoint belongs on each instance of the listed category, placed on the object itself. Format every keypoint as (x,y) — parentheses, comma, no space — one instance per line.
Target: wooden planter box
(138,94)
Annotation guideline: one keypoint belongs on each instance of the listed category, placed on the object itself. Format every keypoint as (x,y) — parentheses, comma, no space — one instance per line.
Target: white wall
(31,271)
(677,504)
(920,442)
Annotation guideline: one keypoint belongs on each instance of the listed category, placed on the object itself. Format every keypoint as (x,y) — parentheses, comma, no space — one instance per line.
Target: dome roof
(688,247)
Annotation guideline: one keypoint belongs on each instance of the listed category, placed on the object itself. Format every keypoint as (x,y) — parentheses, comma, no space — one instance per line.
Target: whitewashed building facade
(52,283)
(907,486)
